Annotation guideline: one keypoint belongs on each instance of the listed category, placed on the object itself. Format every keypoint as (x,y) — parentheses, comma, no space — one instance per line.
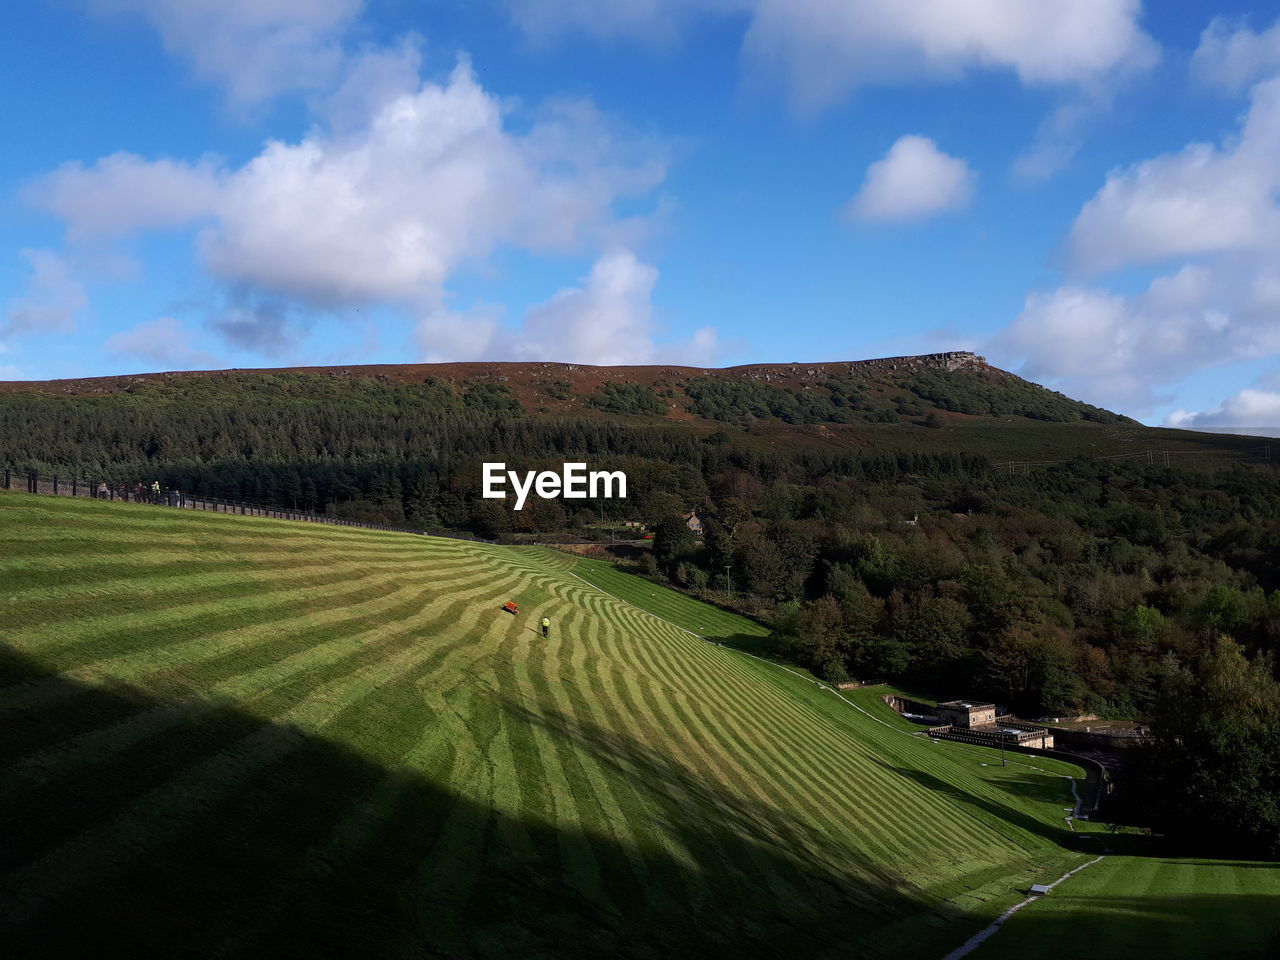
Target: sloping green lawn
(226,736)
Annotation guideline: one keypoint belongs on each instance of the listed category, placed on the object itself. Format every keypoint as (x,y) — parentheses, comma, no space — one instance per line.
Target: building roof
(968,705)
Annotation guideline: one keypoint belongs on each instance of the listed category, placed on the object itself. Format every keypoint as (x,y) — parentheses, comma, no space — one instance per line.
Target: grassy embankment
(224,735)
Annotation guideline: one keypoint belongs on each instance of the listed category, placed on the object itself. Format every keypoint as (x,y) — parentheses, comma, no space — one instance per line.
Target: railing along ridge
(32,482)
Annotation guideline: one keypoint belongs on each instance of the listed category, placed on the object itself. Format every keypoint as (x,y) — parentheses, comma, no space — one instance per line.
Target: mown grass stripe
(777,758)
(773,800)
(631,818)
(594,803)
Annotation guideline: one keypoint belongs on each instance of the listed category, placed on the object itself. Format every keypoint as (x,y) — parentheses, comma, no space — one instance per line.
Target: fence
(1165,458)
(1121,739)
(29,482)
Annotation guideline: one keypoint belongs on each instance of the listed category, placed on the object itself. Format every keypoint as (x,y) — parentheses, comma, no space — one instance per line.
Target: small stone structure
(966,713)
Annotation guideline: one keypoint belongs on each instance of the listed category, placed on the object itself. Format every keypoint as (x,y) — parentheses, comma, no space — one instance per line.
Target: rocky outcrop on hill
(951,362)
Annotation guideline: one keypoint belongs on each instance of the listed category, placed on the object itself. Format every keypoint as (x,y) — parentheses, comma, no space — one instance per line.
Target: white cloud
(703,349)
(1202,200)
(256,48)
(374,78)
(914,180)
(387,214)
(1248,408)
(1212,212)
(1231,56)
(1120,351)
(1081,340)
(52,300)
(606,320)
(164,342)
(383,211)
(827,47)
(123,193)
(446,335)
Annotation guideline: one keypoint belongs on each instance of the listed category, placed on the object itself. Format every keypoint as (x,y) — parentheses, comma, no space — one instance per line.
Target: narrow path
(986,933)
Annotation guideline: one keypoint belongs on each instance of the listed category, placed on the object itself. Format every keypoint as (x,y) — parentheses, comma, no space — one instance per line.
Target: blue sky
(1085,192)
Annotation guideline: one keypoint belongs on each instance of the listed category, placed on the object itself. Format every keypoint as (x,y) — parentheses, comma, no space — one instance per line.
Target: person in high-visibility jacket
(546,626)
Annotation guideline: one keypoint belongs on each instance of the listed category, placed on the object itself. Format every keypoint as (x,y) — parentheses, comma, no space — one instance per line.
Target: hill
(881,390)
(822,404)
(229,735)
(393,441)
(296,418)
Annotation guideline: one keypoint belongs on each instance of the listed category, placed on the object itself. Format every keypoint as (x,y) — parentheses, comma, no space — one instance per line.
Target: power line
(1166,457)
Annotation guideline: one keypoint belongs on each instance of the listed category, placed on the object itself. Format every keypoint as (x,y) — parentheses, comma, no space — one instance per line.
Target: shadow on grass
(198,830)
(747,643)
(994,813)
(1175,926)
(1038,788)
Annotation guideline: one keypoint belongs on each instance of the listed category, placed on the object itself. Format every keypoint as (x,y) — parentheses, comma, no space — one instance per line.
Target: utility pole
(728,579)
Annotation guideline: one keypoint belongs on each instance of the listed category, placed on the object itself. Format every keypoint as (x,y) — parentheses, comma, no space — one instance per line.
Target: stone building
(965,713)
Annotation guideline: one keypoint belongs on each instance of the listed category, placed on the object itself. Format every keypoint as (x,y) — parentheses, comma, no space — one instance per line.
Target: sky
(1086,192)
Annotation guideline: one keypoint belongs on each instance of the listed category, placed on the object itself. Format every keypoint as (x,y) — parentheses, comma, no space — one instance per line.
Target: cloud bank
(386,212)
(408,182)
(1212,214)
(1203,200)
(1248,408)
(824,49)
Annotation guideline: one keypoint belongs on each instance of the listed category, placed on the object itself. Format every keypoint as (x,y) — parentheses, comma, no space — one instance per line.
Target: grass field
(1127,907)
(703,619)
(229,737)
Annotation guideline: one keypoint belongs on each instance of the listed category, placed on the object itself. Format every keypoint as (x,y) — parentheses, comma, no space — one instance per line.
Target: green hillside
(235,737)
